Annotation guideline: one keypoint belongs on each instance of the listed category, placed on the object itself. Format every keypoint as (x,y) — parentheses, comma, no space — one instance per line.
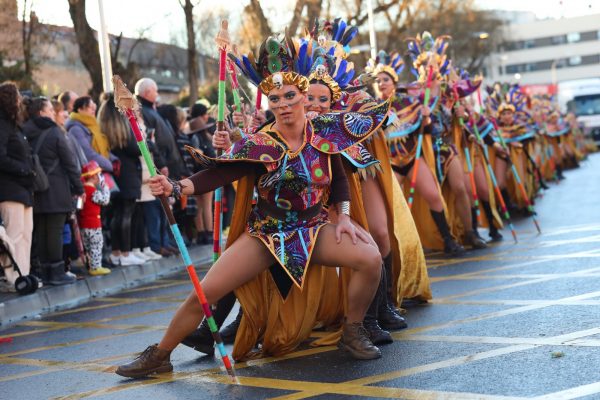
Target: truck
(582,97)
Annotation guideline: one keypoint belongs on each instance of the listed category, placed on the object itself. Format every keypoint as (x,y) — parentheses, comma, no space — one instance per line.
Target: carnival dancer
(387,216)
(507,104)
(484,190)
(288,225)
(477,179)
(416,121)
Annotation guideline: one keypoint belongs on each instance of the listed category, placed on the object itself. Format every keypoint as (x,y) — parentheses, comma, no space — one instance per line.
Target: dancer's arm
(207,180)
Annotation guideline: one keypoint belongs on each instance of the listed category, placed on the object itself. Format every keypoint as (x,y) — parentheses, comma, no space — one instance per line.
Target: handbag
(40,181)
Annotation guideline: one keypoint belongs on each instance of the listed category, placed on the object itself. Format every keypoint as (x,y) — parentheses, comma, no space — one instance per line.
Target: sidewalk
(14,308)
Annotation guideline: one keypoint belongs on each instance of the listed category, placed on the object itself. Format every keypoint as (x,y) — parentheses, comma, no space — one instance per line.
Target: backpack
(40,182)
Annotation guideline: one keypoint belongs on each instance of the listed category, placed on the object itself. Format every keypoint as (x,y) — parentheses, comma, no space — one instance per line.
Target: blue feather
(340,31)
(341,69)
(441,48)
(331,51)
(349,35)
(414,72)
(302,56)
(346,78)
(400,69)
(250,71)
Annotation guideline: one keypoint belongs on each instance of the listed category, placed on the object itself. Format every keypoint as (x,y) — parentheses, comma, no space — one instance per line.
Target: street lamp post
(372,37)
(104,47)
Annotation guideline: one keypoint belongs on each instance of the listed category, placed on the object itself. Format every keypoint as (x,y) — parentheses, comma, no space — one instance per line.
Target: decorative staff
(518,179)
(223,43)
(468,158)
(413,180)
(505,212)
(235,89)
(128,105)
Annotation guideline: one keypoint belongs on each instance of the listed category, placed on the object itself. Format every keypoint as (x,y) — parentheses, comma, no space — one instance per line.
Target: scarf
(99,139)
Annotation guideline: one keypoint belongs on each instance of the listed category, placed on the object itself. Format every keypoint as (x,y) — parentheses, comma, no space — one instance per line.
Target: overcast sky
(162,19)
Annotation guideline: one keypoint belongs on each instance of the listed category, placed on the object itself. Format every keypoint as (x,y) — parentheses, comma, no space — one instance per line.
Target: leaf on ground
(557,354)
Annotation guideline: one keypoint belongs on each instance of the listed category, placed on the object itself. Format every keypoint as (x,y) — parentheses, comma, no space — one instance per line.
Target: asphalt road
(513,321)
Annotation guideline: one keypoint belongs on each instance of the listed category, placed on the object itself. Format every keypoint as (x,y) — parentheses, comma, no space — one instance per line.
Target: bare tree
(88,45)
(296,16)
(192,53)
(255,12)
(28,28)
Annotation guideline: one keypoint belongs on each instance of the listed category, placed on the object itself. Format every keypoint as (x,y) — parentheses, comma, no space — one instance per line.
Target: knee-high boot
(387,316)
(473,237)
(494,234)
(450,245)
(376,334)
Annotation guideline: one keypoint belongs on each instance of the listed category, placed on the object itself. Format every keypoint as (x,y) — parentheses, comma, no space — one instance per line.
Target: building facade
(547,52)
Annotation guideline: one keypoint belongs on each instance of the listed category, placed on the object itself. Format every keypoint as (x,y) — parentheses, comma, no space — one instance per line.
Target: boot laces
(146,353)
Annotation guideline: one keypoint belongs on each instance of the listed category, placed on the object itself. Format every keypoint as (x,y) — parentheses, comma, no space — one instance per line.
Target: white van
(582,97)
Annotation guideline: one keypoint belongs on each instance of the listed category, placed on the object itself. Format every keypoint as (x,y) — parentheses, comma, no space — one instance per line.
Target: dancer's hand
(221,140)
(160,185)
(345,225)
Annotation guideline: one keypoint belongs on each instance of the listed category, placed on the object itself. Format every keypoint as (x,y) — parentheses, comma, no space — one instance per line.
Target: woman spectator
(61,119)
(123,145)
(52,206)
(185,209)
(16,180)
(84,128)
(202,139)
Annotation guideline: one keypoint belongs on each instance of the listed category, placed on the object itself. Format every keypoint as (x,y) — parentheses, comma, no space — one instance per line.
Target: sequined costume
(289,213)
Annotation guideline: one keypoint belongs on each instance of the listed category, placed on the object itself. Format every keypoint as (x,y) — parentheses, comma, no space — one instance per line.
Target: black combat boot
(376,334)
(495,236)
(450,246)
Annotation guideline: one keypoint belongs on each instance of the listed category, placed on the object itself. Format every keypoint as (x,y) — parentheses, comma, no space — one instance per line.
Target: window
(575,60)
(559,39)
(573,37)
(528,44)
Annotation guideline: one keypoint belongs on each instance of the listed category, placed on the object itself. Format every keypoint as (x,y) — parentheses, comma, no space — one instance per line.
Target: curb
(53,298)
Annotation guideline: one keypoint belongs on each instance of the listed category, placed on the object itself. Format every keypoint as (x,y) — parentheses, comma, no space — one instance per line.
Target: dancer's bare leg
(426,187)
(376,214)
(227,274)
(363,258)
(500,168)
(481,182)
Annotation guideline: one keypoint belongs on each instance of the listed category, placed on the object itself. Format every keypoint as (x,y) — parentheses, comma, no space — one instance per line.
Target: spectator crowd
(73,184)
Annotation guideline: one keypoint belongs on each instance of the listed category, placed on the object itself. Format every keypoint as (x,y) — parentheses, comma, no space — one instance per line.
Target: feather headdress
(276,65)
(424,50)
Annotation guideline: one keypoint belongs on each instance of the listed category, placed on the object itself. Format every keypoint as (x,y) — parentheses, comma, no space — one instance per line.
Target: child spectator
(96,196)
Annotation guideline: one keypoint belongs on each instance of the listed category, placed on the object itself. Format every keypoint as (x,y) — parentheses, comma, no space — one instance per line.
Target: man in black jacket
(169,162)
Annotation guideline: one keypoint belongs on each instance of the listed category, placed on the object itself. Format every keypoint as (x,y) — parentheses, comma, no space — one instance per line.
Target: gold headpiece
(320,74)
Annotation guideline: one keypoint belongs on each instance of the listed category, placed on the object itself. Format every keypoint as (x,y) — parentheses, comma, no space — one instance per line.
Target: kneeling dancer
(297,172)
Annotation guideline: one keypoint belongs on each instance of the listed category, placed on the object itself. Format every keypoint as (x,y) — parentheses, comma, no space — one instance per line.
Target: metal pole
(372,38)
(104,47)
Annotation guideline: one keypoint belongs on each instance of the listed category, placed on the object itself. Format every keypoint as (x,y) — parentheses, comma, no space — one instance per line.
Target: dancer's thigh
(344,254)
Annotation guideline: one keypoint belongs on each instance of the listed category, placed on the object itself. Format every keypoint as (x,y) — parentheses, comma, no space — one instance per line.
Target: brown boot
(150,361)
(355,340)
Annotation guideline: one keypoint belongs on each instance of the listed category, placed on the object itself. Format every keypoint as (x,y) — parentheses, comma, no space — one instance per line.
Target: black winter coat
(64,180)
(130,178)
(164,139)
(16,164)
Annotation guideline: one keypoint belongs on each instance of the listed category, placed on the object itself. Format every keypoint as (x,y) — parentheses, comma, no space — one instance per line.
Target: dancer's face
(318,98)
(506,117)
(287,104)
(385,84)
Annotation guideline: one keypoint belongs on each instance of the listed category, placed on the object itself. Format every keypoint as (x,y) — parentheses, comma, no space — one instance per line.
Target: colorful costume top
(322,54)
(510,97)
(293,185)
